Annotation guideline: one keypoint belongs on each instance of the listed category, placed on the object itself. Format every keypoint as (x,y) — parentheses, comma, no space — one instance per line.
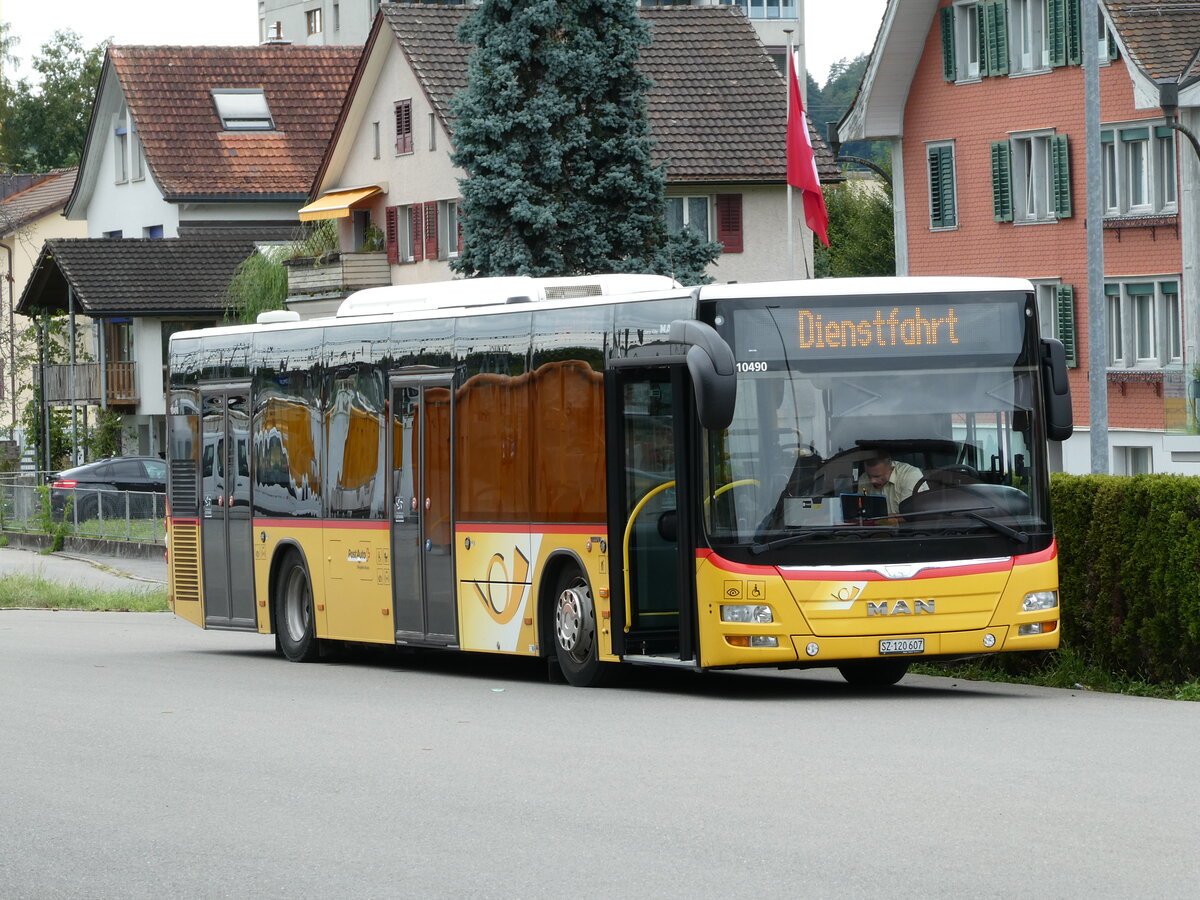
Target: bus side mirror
(1056,389)
(711,365)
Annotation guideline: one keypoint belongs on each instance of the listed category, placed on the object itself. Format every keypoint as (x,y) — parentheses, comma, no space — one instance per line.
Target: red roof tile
(48,195)
(1162,37)
(169,94)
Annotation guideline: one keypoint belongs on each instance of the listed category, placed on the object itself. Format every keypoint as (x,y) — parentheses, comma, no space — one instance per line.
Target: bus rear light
(1037,628)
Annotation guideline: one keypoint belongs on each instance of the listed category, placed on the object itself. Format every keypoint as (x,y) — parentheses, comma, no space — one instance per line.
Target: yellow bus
(848,473)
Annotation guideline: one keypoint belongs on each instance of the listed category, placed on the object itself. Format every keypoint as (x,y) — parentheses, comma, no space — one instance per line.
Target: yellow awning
(336,204)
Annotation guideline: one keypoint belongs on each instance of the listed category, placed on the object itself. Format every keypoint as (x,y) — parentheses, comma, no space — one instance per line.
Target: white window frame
(448,226)
(686,205)
(1046,292)
(1145,330)
(404,235)
(121,147)
(1134,460)
(1140,176)
(1029,35)
(967,26)
(1032,178)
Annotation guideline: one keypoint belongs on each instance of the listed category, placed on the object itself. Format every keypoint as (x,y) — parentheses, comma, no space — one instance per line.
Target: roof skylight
(243,109)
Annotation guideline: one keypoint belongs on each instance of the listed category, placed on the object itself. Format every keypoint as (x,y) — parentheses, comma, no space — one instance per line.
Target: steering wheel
(946,476)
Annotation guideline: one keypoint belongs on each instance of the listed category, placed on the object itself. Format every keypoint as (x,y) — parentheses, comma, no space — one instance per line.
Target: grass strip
(1064,668)
(27,592)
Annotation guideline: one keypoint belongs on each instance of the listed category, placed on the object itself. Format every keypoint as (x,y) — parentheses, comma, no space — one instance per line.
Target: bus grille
(185,561)
(182,488)
(570,291)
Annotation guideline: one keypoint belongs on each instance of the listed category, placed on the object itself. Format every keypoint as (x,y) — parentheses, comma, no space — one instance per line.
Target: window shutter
(1064,310)
(1111,40)
(941,188)
(1056,20)
(404,136)
(729,222)
(949,64)
(431,230)
(1001,182)
(1074,34)
(995,21)
(1060,163)
(391,228)
(416,222)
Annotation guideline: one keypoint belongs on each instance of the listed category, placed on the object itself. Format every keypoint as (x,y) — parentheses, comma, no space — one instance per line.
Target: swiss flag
(801,162)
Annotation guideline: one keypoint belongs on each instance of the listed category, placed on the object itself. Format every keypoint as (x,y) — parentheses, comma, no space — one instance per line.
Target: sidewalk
(99,571)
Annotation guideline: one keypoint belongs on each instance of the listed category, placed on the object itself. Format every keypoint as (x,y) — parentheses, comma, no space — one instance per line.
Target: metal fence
(82,512)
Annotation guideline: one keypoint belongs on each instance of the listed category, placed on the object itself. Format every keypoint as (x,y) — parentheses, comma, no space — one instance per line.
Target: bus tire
(874,672)
(576,643)
(294,623)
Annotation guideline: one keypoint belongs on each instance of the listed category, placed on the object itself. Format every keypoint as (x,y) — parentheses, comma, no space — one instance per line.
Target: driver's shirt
(898,487)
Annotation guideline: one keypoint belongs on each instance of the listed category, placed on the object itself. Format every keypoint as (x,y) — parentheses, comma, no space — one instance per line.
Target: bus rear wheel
(874,672)
(575,635)
(294,611)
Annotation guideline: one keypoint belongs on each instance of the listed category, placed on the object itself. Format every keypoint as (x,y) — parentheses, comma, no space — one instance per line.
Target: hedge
(1129,572)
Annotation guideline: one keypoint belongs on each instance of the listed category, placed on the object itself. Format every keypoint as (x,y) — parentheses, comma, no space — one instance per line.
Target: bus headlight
(756,613)
(1039,600)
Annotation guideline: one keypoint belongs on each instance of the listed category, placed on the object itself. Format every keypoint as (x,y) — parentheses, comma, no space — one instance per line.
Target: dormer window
(243,109)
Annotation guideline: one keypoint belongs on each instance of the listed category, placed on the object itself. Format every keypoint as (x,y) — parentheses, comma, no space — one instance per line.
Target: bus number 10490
(752,367)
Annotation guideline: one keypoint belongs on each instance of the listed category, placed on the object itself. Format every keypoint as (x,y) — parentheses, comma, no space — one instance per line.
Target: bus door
(422,528)
(225,528)
(648,500)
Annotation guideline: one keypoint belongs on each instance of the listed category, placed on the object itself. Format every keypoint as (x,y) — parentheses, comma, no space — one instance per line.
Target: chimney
(275,35)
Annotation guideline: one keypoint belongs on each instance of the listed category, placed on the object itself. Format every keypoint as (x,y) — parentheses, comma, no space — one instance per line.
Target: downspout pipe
(12,340)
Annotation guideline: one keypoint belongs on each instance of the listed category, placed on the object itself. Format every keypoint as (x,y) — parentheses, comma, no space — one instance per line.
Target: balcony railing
(81,383)
(337,273)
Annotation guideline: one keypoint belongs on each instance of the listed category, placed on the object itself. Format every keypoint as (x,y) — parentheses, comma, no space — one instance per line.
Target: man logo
(900,608)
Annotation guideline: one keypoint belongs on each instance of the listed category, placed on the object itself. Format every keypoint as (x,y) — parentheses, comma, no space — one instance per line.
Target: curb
(71,544)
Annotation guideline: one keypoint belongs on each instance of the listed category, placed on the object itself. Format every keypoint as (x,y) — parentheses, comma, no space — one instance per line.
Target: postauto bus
(618,469)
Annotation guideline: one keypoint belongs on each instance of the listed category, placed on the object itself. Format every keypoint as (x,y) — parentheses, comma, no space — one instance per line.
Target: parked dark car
(100,486)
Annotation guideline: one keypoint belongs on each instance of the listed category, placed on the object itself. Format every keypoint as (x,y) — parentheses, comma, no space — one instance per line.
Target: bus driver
(893,480)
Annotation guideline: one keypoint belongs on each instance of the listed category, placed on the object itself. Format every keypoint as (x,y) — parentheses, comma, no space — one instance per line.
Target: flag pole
(791,237)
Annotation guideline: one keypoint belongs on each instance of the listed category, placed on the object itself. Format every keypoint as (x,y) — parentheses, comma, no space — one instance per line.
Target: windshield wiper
(840,532)
(972,513)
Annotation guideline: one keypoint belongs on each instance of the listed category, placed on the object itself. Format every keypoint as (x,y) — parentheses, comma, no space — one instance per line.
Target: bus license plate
(902,645)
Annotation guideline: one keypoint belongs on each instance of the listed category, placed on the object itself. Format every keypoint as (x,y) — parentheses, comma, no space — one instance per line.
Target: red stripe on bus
(495,528)
(340,524)
(1036,559)
(856,574)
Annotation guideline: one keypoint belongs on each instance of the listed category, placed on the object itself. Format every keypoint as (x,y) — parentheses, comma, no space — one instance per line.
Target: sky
(836,29)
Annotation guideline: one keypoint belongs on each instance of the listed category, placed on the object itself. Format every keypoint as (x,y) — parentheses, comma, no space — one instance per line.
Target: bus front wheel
(874,672)
(575,635)
(294,611)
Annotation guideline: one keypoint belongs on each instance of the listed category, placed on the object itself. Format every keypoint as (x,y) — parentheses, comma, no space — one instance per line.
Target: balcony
(336,273)
(120,381)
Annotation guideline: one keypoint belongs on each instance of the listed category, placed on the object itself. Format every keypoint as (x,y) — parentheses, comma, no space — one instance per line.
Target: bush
(1129,572)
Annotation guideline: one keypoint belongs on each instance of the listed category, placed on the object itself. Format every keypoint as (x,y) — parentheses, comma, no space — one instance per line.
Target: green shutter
(1112,290)
(1169,287)
(997,37)
(1074,34)
(1056,19)
(941,187)
(1135,134)
(1064,311)
(1001,182)
(1060,161)
(949,65)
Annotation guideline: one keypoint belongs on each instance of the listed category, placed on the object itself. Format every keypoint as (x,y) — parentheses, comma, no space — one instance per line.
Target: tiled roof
(135,276)
(718,107)
(169,94)
(49,195)
(1162,36)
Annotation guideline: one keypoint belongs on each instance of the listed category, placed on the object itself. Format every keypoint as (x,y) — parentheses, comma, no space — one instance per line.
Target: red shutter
(729,222)
(391,227)
(415,222)
(431,230)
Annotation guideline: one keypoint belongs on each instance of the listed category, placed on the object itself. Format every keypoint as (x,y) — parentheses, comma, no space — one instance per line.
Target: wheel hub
(571,621)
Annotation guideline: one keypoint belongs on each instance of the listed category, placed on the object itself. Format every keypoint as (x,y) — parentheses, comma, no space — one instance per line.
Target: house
(318,22)
(192,146)
(717,114)
(983,102)
(29,215)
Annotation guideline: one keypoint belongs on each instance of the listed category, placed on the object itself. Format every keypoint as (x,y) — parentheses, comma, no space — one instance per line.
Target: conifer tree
(553,134)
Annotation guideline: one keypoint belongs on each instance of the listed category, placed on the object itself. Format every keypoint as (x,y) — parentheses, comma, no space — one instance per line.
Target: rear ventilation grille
(182,488)
(185,561)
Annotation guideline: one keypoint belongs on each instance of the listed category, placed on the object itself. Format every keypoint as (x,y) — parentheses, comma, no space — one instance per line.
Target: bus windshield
(897,420)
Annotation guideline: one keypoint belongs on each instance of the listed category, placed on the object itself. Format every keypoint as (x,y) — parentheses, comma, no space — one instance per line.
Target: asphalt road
(142,757)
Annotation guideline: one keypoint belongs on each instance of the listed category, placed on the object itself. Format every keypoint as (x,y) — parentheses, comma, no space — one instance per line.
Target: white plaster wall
(244,211)
(129,206)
